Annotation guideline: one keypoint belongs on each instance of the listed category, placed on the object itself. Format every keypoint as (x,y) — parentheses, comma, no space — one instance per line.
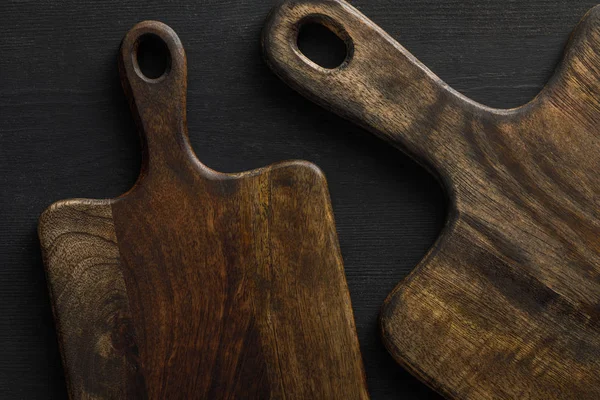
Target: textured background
(66,131)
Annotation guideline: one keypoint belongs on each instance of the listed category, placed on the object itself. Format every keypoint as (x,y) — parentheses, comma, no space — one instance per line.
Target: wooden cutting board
(197,284)
(507,302)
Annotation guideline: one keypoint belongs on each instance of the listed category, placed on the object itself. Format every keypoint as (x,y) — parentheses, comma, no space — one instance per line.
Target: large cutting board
(507,302)
(197,284)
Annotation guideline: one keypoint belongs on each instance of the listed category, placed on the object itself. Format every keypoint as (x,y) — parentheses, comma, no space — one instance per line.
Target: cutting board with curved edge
(198,284)
(507,302)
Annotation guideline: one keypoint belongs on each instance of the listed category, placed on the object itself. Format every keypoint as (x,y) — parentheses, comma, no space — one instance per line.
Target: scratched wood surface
(507,302)
(66,131)
(197,284)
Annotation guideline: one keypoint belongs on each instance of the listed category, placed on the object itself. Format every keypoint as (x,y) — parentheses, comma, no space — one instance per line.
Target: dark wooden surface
(507,303)
(65,131)
(196,284)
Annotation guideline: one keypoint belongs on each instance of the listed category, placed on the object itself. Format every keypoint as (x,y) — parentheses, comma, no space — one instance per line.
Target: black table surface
(66,131)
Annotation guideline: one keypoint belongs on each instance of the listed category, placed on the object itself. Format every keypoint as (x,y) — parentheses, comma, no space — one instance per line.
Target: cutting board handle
(380,85)
(158,105)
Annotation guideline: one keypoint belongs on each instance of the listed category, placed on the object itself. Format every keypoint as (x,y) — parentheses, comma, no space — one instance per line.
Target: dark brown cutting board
(507,302)
(198,284)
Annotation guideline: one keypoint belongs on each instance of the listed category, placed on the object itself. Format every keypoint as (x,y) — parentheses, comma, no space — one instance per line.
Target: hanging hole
(153,57)
(321,45)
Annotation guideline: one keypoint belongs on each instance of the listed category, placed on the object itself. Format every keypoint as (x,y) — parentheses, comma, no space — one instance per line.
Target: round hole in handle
(152,57)
(328,47)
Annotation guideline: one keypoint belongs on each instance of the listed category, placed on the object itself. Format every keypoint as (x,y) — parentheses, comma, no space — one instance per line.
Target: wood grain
(89,298)
(232,284)
(507,302)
